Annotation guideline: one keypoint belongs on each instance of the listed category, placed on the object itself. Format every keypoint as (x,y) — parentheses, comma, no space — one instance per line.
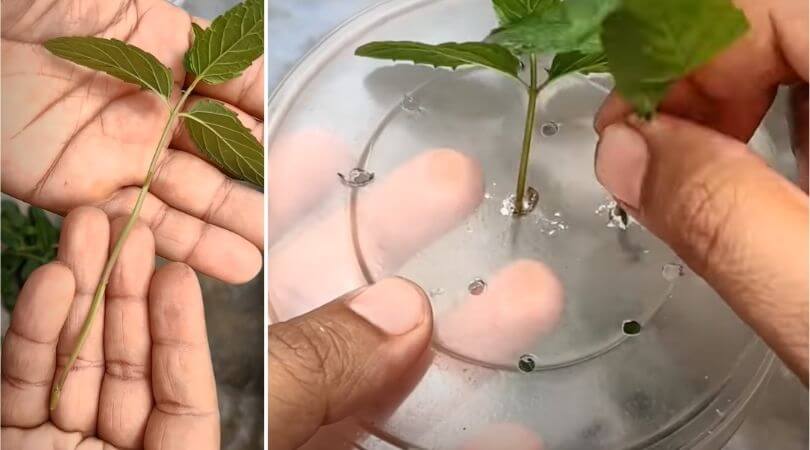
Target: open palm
(73,137)
(144,378)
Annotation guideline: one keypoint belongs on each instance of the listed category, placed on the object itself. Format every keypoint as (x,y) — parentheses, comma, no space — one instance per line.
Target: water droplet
(527,363)
(549,129)
(477,286)
(357,178)
(618,218)
(410,103)
(530,200)
(487,195)
(672,271)
(436,292)
(631,327)
(557,214)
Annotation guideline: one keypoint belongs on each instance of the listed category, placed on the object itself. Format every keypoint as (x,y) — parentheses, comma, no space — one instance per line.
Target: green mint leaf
(220,135)
(227,47)
(584,63)
(571,25)
(652,45)
(451,55)
(119,59)
(511,11)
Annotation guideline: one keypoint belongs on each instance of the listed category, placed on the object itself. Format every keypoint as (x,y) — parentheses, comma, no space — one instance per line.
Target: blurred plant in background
(29,241)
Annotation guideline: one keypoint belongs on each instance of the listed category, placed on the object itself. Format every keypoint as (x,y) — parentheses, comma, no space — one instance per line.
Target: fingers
(181,237)
(302,171)
(333,361)
(193,186)
(126,394)
(29,346)
(729,94)
(733,220)
(509,436)
(736,117)
(395,217)
(83,246)
(186,414)
(522,302)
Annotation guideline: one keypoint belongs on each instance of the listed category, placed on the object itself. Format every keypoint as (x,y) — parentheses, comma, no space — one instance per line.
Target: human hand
(144,379)
(330,361)
(74,137)
(690,179)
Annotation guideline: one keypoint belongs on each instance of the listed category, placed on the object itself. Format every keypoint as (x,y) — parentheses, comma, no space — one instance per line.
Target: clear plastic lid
(568,328)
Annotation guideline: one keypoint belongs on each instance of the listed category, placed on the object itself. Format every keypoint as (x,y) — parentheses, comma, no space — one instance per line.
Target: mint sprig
(646,45)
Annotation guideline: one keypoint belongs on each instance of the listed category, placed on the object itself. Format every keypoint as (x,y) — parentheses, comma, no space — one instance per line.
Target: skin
(72,136)
(144,379)
(697,160)
(328,362)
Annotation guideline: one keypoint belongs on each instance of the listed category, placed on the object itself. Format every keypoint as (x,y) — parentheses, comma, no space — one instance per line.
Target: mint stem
(101,288)
(527,136)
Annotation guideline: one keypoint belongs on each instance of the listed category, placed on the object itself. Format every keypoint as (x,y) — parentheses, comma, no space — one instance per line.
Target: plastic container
(563,329)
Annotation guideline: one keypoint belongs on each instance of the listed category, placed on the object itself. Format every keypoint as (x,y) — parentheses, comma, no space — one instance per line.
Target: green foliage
(652,45)
(219,53)
(29,241)
(511,11)
(119,59)
(217,131)
(449,55)
(571,25)
(231,44)
(584,63)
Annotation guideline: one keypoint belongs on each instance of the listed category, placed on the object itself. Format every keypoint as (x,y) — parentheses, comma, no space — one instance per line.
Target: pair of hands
(687,176)
(72,137)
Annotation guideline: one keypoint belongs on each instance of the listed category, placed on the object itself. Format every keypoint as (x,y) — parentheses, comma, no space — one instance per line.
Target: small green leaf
(511,11)
(219,134)
(571,25)
(584,63)
(231,44)
(450,55)
(652,45)
(119,59)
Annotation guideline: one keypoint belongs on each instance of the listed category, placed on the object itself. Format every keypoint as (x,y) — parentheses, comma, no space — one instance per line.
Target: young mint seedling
(646,45)
(220,53)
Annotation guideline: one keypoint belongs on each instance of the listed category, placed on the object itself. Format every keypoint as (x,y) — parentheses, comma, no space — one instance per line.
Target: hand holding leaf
(220,53)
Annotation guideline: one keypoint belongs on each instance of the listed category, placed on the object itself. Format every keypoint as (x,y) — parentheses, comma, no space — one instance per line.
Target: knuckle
(702,215)
(314,353)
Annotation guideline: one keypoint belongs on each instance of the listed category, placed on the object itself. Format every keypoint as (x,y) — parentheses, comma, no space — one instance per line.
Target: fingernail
(621,161)
(393,305)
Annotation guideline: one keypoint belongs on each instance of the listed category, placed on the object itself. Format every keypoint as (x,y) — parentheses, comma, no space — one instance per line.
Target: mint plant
(219,53)
(29,241)
(647,46)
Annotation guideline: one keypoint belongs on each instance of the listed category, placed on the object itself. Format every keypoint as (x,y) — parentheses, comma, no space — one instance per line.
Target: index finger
(185,414)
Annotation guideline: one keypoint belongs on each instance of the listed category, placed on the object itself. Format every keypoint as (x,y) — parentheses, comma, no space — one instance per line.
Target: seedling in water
(220,53)
(647,46)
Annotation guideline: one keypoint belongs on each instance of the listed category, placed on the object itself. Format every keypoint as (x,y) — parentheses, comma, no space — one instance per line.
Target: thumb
(330,363)
(734,221)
